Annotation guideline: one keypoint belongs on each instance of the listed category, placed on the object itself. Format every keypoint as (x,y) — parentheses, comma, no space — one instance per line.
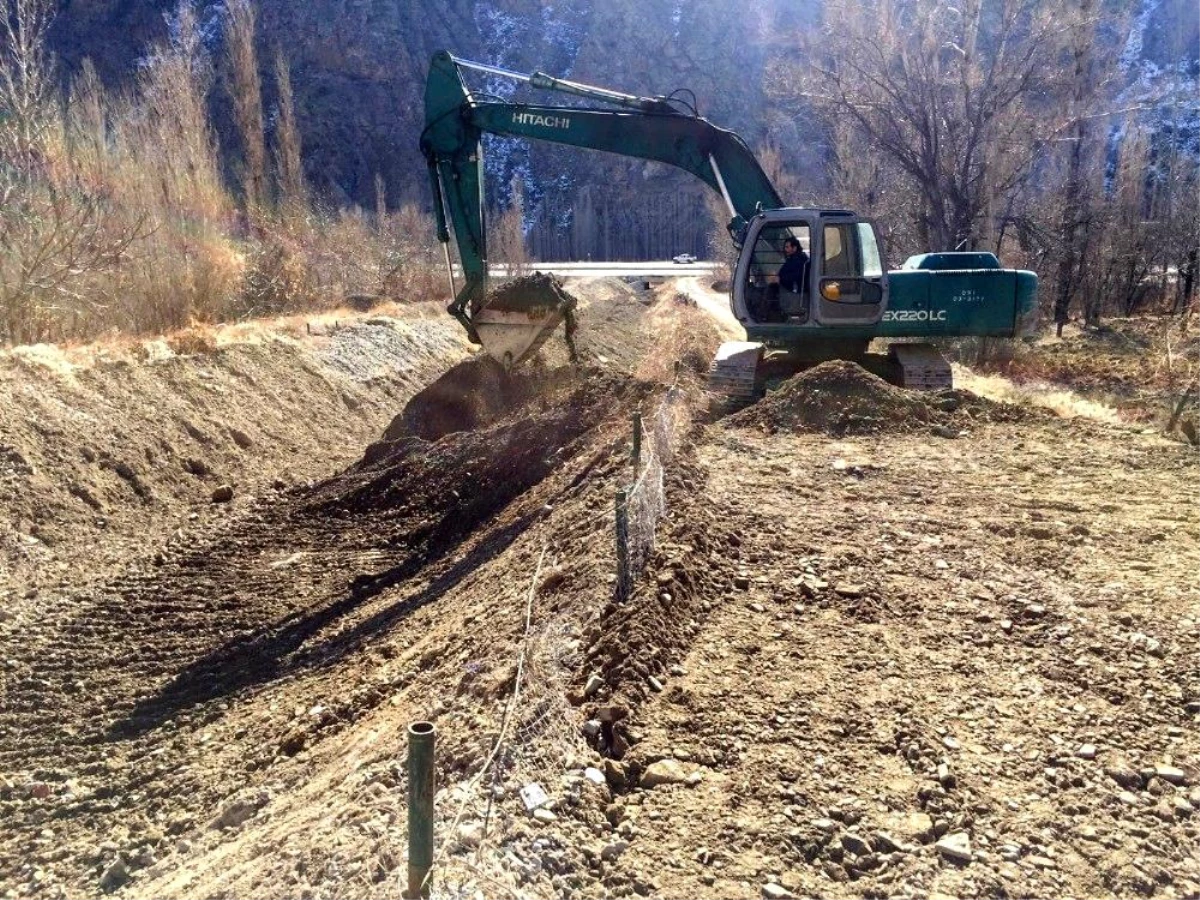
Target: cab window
(840,252)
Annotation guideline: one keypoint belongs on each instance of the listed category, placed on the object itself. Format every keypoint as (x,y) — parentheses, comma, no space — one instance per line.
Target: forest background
(163,163)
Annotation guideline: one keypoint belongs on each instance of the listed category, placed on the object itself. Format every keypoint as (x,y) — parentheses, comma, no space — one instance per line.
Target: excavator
(845,299)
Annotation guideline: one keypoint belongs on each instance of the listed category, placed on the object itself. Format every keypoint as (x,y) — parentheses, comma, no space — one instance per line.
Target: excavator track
(733,374)
(921,367)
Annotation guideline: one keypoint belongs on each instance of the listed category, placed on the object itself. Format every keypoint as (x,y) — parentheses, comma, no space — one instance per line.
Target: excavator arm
(658,129)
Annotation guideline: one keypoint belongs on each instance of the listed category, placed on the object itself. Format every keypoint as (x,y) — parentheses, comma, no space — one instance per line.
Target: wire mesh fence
(541,729)
(641,506)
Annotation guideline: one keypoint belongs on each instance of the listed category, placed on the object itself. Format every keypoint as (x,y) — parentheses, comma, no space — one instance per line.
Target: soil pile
(836,397)
(478,392)
(842,398)
(473,394)
(469,474)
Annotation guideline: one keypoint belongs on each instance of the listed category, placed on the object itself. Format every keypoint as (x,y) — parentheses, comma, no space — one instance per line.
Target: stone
(850,591)
(945,777)
(773,891)
(238,810)
(1086,751)
(826,825)
(223,494)
(543,815)
(950,743)
(613,851)
(591,728)
(1183,808)
(665,771)
(114,876)
(945,431)
(955,847)
(855,844)
(533,795)
(917,825)
(470,834)
(594,683)
(1006,625)
(1125,776)
(610,714)
(594,775)
(885,843)
(1171,774)
(615,773)
(655,684)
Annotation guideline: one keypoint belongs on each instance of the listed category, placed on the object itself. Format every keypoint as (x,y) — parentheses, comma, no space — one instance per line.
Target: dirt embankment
(106,449)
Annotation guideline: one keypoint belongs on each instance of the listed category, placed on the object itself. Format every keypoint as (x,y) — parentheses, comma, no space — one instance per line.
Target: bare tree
(1076,211)
(288,167)
(940,90)
(57,233)
(246,93)
(26,80)
(507,239)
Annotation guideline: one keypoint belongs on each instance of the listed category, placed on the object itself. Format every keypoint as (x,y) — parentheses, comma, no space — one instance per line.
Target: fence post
(421,737)
(623,579)
(637,442)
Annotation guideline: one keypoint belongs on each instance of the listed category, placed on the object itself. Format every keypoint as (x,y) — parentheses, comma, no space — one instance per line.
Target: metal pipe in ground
(637,441)
(421,738)
(624,579)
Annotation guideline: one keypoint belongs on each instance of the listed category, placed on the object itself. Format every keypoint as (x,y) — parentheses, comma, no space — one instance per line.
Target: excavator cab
(845,283)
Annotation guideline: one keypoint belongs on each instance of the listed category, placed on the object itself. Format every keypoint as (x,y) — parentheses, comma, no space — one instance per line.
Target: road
(650,269)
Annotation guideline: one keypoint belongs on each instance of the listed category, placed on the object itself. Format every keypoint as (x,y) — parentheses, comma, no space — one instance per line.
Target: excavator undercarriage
(742,371)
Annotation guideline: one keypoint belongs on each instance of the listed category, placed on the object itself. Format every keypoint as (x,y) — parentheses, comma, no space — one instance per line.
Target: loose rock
(665,771)
(955,847)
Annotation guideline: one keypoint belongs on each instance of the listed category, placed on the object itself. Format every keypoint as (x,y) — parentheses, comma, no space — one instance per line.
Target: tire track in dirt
(112,709)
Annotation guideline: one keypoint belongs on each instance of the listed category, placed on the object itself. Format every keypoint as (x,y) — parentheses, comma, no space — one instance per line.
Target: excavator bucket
(517,318)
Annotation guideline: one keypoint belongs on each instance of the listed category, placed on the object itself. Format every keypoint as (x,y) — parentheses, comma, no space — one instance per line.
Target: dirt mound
(841,398)
(479,392)
(473,394)
(836,397)
(484,467)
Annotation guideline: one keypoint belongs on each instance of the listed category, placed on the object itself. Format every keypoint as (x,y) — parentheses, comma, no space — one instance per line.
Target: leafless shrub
(279,277)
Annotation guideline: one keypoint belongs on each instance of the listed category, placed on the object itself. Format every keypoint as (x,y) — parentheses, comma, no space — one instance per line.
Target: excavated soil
(478,391)
(473,394)
(843,398)
(860,665)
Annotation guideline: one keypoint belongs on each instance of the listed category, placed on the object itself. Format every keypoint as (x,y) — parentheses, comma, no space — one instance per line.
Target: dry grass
(115,215)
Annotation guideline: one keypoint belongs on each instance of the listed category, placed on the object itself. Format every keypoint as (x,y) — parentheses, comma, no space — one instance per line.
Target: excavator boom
(641,127)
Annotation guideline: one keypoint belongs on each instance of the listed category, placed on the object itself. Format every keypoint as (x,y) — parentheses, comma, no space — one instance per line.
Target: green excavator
(844,300)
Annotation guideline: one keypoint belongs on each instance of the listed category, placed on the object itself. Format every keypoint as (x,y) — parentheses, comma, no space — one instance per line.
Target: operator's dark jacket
(791,273)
